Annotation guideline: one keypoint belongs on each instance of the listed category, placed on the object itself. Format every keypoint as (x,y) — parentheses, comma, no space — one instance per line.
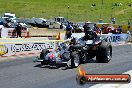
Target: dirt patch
(123,11)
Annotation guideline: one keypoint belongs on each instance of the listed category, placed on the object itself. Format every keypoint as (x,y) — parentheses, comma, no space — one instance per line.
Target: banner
(112,38)
(3,50)
(116,38)
(22,48)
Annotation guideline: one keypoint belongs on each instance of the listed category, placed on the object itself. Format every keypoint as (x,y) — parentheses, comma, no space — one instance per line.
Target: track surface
(23,73)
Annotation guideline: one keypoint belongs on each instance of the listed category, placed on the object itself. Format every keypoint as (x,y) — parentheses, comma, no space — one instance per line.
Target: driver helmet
(69,26)
(89,35)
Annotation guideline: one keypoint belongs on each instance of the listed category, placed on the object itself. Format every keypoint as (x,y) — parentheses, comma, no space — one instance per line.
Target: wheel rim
(109,54)
(76,60)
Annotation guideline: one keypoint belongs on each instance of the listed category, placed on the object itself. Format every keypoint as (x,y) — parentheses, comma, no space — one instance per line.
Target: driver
(89,35)
(68,31)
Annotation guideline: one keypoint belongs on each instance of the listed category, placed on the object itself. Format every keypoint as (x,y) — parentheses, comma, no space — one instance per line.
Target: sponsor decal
(31,46)
(3,49)
(116,38)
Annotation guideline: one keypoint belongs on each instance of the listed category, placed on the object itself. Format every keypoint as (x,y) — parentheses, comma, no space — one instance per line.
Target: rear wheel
(104,53)
(42,56)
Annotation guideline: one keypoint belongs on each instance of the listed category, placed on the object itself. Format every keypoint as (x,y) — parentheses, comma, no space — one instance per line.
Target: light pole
(67,11)
(102,2)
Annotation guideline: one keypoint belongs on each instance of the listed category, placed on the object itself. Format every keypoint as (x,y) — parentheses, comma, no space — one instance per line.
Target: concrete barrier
(11,32)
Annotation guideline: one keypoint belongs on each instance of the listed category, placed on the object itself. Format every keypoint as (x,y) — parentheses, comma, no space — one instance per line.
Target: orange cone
(27,35)
(58,36)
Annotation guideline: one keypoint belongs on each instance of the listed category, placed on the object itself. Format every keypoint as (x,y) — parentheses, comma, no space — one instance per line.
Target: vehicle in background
(6,22)
(25,21)
(60,19)
(58,23)
(38,22)
(9,16)
(2,21)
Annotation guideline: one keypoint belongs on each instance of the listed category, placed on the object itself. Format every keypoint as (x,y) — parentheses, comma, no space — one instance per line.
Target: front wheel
(74,59)
(42,56)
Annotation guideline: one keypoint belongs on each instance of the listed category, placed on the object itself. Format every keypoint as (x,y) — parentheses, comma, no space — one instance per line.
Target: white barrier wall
(0,31)
(113,38)
(117,38)
(9,49)
(11,32)
(3,32)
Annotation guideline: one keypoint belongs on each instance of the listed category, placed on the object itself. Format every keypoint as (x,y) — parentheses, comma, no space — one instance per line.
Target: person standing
(69,29)
(119,30)
(86,27)
(113,20)
(96,29)
(18,29)
(129,24)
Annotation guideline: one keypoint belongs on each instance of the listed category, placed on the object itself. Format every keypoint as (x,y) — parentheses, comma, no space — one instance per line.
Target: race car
(59,56)
(73,52)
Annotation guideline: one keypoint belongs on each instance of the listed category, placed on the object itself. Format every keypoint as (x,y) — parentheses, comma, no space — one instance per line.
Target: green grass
(79,10)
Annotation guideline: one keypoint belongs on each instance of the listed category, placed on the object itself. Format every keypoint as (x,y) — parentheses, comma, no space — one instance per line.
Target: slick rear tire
(104,53)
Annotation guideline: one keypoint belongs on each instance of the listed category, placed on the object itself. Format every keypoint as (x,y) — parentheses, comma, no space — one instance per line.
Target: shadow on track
(61,66)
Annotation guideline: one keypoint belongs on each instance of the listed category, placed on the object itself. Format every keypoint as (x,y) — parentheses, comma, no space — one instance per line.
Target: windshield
(8,16)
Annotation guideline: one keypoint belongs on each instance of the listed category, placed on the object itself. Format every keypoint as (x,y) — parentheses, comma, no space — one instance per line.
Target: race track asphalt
(23,73)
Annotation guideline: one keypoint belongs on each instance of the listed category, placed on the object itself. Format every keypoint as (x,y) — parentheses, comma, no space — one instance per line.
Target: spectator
(102,28)
(96,29)
(68,31)
(105,29)
(61,26)
(119,30)
(18,29)
(129,24)
(113,20)
(86,27)
(76,28)
(113,30)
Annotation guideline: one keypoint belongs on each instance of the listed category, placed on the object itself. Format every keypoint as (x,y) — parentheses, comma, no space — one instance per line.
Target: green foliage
(74,10)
